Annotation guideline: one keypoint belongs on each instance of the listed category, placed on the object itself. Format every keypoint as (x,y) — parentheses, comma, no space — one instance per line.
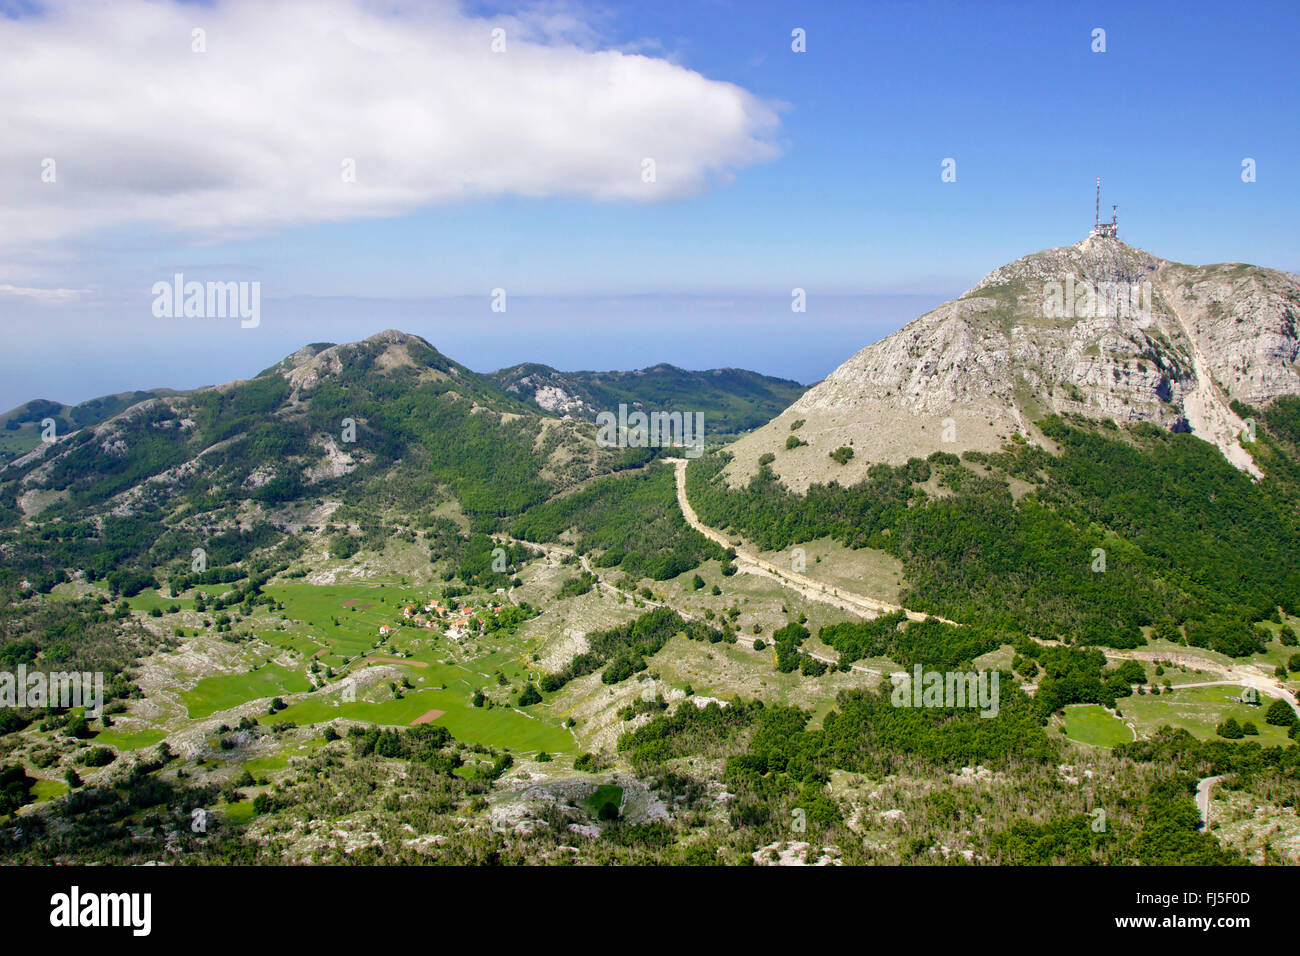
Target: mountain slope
(730,399)
(21,428)
(387,428)
(384,425)
(1177,348)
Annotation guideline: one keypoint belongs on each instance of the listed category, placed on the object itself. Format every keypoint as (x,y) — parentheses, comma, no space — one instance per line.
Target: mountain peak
(1099,328)
(394,337)
(1096,259)
(384,351)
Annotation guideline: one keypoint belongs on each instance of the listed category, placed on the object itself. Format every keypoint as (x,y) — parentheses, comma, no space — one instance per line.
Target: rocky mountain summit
(1100,329)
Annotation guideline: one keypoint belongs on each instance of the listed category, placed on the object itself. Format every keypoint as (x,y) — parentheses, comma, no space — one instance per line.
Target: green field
(240,812)
(48,789)
(348,630)
(147,600)
(213,694)
(122,740)
(502,727)
(1199,710)
(338,626)
(1093,724)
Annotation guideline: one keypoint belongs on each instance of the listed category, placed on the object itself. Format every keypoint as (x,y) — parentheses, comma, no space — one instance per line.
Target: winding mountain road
(809,587)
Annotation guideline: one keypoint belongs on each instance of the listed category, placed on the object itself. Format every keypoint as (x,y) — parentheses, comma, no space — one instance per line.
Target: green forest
(1190,544)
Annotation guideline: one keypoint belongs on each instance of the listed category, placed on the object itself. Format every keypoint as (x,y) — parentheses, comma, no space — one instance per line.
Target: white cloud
(252,134)
(38,295)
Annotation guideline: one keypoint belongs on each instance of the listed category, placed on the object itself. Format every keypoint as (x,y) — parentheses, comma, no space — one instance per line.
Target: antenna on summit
(1104,230)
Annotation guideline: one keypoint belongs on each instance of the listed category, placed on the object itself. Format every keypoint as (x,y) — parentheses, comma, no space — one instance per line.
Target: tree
(15,787)
(77,727)
(1279,714)
(1230,729)
(529,696)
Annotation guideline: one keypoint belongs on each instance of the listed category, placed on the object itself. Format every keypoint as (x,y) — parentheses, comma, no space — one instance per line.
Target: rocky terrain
(1099,329)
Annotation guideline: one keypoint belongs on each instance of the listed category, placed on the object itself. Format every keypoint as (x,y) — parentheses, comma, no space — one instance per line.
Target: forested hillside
(1007,541)
(389,421)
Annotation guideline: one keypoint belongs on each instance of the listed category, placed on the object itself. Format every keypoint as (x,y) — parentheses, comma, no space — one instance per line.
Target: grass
(499,727)
(150,599)
(213,694)
(1199,710)
(122,740)
(861,570)
(1275,652)
(240,812)
(335,620)
(44,790)
(1094,725)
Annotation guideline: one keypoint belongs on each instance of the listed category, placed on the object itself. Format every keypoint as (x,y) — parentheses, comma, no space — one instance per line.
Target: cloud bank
(283,113)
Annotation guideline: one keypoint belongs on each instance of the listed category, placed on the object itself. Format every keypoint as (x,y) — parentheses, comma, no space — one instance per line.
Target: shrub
(97,757)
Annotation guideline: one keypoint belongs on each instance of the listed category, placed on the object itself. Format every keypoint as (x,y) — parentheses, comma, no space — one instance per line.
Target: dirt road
(1203,799)
(741,639)
(810,588)
(1239,675)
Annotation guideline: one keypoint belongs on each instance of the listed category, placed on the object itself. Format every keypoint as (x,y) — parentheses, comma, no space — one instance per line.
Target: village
(457,620)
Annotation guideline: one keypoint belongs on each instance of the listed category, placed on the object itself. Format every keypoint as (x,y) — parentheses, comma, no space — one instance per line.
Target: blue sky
(846,201)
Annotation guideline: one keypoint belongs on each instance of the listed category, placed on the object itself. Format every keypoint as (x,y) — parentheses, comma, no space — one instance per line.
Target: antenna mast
(1104,230)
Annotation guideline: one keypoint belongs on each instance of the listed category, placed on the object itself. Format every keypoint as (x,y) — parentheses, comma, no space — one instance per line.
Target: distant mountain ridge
(1202,343)
(730,399)
(21,427)
(389,415)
